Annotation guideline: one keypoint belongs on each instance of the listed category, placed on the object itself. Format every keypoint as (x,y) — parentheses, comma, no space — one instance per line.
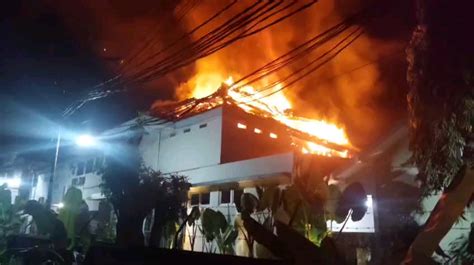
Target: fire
(278,107)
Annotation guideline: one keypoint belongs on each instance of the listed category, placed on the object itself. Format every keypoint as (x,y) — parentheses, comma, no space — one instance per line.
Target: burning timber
(226,95)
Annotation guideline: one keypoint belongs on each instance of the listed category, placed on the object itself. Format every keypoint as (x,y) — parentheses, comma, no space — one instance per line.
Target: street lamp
(84,140)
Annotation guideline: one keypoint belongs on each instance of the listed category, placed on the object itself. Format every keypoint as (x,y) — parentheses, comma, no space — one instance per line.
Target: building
(398,211)
(222,149)
(225,150)
(25,176)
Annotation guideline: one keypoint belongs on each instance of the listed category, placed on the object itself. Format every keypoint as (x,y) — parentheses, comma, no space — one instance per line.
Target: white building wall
(150,146)
(41,188)
(191,143)
(61,182)
(67,172)
(241,170)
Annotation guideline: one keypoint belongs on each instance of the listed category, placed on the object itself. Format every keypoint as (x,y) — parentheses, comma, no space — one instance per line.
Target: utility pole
(53,171)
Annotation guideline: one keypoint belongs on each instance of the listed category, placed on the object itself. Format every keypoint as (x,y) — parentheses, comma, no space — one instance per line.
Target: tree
(120,184)
(134,193)
(298,213)
(441,77)
(135,190)
(10,220)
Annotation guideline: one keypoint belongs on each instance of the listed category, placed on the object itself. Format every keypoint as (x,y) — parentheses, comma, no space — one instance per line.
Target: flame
(349,87)
(278,107)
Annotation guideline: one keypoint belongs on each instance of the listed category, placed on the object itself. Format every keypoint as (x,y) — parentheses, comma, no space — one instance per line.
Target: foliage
(70,212)
(441,108)
(135,190)
(168,195)
(193,216)
(169,230)
(105,223)
(215,227)
(10,220)
(334,196)
(462,249)
(441,99)
(190,220)
(304,206)
(306,218)
(47,223)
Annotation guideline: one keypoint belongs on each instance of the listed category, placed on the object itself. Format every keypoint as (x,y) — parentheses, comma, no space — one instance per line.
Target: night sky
(52,52)
(43,68)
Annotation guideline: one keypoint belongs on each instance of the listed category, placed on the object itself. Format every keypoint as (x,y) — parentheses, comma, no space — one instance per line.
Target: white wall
(41,189)
(150,146)
(66,173)
(241,170)
(200,147)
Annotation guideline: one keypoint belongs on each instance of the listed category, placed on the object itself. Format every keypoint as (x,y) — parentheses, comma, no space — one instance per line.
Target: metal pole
(53,171)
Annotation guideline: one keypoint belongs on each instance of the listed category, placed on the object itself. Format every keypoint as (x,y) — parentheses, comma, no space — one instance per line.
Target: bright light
(274,136)
(14,182)
(60,205)
(86,140)
(369,202)
(257,130)
(241,126)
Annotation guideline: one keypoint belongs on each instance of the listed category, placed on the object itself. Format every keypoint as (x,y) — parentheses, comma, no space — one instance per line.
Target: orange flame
(278,107)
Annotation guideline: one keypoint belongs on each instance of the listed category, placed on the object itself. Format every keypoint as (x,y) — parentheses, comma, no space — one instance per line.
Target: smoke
(362,89)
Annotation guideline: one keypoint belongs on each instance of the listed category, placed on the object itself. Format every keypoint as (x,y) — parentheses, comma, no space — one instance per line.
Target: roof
(173,112)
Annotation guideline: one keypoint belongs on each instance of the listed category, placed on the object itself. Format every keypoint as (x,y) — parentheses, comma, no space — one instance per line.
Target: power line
(150,42)
(300,52)
(206,45)
(357,68)
(303,72)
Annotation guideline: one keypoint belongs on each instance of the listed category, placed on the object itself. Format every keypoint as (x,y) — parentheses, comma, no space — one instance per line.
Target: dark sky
(53,51)
(43,68)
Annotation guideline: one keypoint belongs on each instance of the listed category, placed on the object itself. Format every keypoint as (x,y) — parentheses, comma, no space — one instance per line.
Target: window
(89,166)
(98,163)
(80,168)
(194,199)
(225,196)
(204,125)
(173,134)
(78,181)
(237,194)
(81,181)
(257,131)
(205,198)
(241,126)
(274,136)
(187,130)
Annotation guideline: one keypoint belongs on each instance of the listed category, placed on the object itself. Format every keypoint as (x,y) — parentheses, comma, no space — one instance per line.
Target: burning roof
(311,136)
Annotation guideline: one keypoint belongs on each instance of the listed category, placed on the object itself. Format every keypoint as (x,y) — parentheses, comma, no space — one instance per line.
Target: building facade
(223,152)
